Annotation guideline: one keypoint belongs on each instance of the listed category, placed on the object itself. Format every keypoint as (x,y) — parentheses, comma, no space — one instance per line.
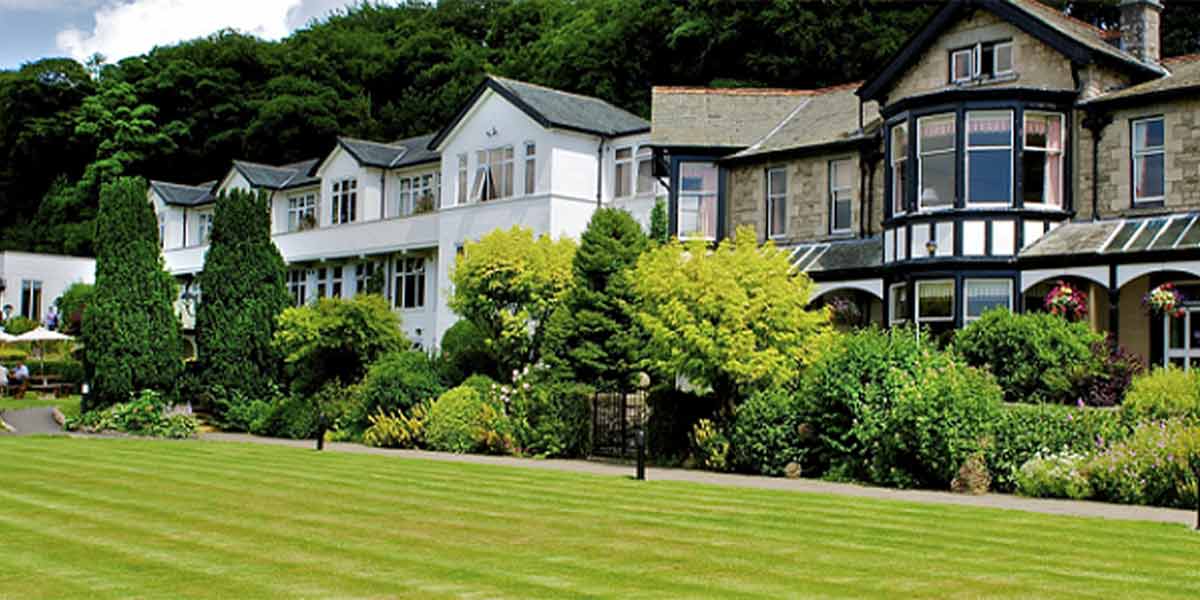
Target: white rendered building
(30,283)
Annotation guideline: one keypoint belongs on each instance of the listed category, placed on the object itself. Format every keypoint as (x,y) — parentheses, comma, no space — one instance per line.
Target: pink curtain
(1054,161)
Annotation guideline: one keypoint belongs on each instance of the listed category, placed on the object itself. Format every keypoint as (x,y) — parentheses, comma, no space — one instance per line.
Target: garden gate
(615,418)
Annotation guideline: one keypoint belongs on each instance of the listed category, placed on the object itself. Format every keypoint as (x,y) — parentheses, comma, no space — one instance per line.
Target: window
(1041,160)
(302,212)
(31,299)
(345,201)
(1181,337)
(697,214)
(962,65)
(645,171)
(363,273)
(776,202)
(415,196)
(204,223)
(410,282)
(329,282)
(900,306)
(1149,156)
(622,178)
(530,168)
(983,295)
(935,301)
(841,195)
(983,61)
(989,157)
(162,230)
(899,167)
(936,158)
(296,281)
(462,178)
(494,174)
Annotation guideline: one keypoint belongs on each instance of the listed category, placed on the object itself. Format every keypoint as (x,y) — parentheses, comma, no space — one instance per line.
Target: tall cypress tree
(131,335)
(242,291)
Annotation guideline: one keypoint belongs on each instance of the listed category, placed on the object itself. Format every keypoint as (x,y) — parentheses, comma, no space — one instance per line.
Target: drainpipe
(184,243)
(599,172)
(1095,122)
(382,193)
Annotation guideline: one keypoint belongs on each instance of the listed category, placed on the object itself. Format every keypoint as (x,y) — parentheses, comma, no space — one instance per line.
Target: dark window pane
(1033,165)
(1150,176)
(937,180)
(990,177)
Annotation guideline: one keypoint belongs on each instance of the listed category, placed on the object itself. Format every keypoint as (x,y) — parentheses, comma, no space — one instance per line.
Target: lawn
(108,518)
(69,405)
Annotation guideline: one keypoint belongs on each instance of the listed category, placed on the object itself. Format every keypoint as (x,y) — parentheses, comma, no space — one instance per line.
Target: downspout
(383,193)
(184,244)
(599,173)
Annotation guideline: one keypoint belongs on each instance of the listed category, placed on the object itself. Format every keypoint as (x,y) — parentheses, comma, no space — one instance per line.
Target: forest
(183,112)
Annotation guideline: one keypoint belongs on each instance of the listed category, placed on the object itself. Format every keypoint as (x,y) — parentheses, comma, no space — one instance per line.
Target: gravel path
(1002,501)
(30,421)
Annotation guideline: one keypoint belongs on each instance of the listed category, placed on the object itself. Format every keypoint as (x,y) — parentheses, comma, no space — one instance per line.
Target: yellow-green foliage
(396,430)
(711,445)
(1163,394)
(729,318)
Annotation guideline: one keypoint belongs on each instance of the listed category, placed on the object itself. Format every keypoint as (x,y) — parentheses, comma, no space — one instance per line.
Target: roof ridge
(362,141)
(748,91)
(258,164)
(555,90)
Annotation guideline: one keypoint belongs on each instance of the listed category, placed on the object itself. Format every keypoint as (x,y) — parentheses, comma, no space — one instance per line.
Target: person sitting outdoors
(21,378)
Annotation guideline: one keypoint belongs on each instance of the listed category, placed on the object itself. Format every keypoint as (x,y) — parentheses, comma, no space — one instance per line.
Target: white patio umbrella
(40,336)
(6,338)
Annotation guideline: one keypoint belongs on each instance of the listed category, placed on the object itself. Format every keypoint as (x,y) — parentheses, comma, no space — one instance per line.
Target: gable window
(31,299)
(329,282)
(204,223)
(1149,160)
(296,281)
(899,304)
(622,177)
(841,195)
(983,295)
(345,202)
(410,282)
(936,158)
(899,167)
(697,213)
(962,65)
(363,273)
(645,171)
(986,60)
(530,168)
(416,196)
(1041,159)
(302,212)
(462,179)
(776,202)
(989,157)
(493,175)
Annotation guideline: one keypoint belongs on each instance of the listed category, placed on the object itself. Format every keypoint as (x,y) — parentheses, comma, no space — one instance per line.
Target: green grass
(105,518)
(69,405)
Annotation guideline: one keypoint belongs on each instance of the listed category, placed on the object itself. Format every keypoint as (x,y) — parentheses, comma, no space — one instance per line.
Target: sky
(35,29)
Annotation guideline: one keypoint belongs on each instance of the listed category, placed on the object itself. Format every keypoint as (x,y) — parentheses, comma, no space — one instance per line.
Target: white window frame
(623,172)
(411,189)
(297,284)
(1012,62)
(363,271)
(406,268)
(1188,352)
(31,298)
(162,229)
(701,196)
(916,301)
(892,320)
(204,222)
(330,280)
(773,199)
(1061,152)
(974,54)
(643,156)
(967,318)
(463,180)
(834,195)
(1138,155)
(530,168)
(921,160)
(344,207)
(300,207)
(967,148)
(955,57)
(899,164)
(487,185)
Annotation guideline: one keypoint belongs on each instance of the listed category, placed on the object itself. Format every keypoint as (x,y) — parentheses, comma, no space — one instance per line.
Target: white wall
(338,166)
(54,271)
(172,217)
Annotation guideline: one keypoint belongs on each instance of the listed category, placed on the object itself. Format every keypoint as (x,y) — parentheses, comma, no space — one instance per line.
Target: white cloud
(47,5)
(128,27)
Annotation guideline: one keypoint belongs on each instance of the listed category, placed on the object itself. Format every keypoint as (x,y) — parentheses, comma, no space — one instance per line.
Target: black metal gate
(615,418)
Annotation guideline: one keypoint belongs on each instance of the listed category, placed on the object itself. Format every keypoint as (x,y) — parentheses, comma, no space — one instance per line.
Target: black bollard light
(320,433)
(640,438)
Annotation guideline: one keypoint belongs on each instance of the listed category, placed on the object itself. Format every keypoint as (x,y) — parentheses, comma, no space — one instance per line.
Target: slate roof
(1120,236)
(291,175)
(859,253)
(719,117)
(401,153)
(178,194)
(824,116)
(1094,38)
(1184,75)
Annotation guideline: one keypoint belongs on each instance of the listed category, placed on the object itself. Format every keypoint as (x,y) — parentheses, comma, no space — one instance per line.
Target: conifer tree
(131,335)
(658,223)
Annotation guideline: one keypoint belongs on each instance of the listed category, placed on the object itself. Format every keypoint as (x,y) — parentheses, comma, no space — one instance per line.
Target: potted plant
(1164,301)
(1067,301)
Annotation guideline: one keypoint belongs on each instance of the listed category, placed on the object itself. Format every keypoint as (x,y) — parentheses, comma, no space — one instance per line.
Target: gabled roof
(178,194)
(826,116)
(401,153)
(1184,76)
(719,117)
(291,175)
(1078,41)
(553,109)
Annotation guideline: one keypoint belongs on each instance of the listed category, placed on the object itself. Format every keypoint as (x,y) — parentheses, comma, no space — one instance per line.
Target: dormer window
(987,60)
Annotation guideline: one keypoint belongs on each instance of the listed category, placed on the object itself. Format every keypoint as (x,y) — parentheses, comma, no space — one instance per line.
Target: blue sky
(34,29)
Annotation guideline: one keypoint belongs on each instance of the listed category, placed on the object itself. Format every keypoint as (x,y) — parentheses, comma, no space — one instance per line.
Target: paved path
(30,421)
(1002,501)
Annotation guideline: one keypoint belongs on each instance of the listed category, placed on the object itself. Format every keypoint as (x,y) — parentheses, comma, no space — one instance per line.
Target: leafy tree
(71,304)
(131,335)
(658,223)
(243,290)
(734,319)
(600,340)
(508,284)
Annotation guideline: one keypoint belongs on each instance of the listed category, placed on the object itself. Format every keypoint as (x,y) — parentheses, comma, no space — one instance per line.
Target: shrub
(1154,466)
(711,445)
(71,305)
(456,421)
(239,412)
(144,415)
(1024,431)
(463,353)
(18,325)
(1163,394)
(396,430)
(765,436)
(297,416)
(1109,386)
(8,355)
(973,476)
(1059,475)
(396,382)
(1036,357)
(550,418)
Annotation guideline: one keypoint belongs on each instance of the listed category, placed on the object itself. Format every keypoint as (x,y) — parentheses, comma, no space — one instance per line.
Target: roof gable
(401,153)
(178,194)
(828,116)
(291,175)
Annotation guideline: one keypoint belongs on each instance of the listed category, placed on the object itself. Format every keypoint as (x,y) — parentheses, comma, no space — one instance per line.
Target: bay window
(983,295)
(841,195)
(776,202)
(493,174)
(989,157)
(899,162)
(1042,160)
(410,282)
(936,158)
(623,173)
(344,208)
(530,168)
(204,223)
(935,301)
(697,212)
(645,171)
(1149,156)
(302,212)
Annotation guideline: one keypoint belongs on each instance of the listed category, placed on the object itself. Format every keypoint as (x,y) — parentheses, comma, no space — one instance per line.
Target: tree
(734,319)
(658,223)
(598,338)
(131,336)
(71,304)
(508,284)
(243,290)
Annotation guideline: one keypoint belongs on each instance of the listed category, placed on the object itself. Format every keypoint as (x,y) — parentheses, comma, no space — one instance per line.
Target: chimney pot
(1141,23)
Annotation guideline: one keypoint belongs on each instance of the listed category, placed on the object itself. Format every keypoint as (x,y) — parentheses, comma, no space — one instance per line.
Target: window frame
(297,284)
(833,196)
(966,316)
(954,60)
(974,54)
(487,185)
(364,270)
(953,115)
(715,195)
(406,268)
(32,291)
(916,301)
(628,178)
(299,206)
(643,155)
(1012,63)
(898,163)
(1012,151)
(1135,155)
(530,168)
(463,192)
(204,223)
(772,198)
(344,207)
(892,295)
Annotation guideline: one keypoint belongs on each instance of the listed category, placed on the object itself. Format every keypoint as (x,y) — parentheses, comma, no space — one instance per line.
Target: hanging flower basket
(1067,301)
(843,311)
(1164,301)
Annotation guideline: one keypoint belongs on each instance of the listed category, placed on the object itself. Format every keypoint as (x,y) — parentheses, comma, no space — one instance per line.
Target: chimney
(1140,33)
